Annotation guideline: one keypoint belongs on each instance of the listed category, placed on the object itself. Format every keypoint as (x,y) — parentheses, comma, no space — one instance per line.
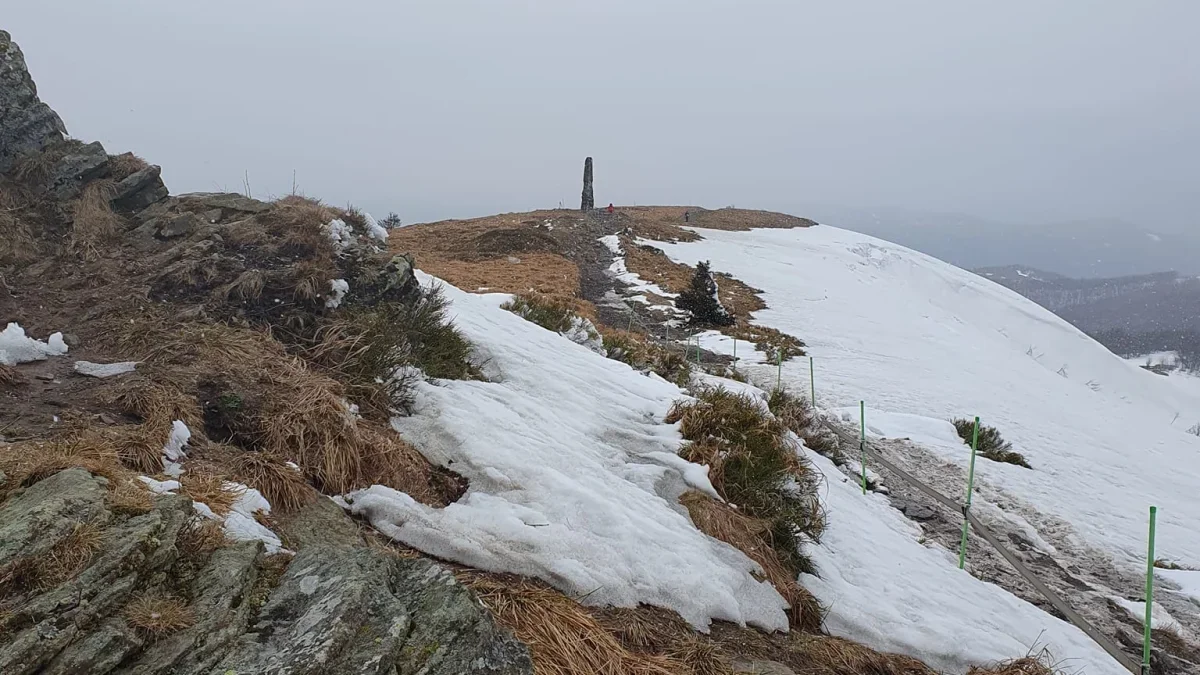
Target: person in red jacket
(610,208)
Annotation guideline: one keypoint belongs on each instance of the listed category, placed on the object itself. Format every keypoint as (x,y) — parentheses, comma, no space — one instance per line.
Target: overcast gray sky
(1021,110)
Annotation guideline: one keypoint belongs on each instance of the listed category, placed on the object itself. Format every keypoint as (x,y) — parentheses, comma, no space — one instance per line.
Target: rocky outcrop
(26,124)
(33,135)
(339,606)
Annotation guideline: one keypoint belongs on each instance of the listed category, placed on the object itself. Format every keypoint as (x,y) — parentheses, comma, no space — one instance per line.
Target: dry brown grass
(752,536)
(69,556)
(28,462)
(282,485)
(700,656)
(130,497)
(838,656)
(17,245)
(1034,664)
(474,254)
(299,223)
(125,165)
(158,615)
(93,222)
(200,536)
(541,273)
(298,414)
(210,489)
(563,637)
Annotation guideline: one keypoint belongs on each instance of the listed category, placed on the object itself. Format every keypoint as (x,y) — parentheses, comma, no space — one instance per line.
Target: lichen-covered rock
(340,605)
(26,124)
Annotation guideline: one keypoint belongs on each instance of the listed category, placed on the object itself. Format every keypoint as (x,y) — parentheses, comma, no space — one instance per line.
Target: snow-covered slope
(574,478)
(911,334)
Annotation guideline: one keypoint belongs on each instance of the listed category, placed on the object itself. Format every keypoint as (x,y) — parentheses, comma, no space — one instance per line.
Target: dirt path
(1084,577)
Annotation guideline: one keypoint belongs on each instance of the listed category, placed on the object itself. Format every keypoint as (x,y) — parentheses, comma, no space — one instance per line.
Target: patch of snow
(103,370)
(374,229)
(340,234)
(160,487)
(1160,618)
(695,475)
(563,486)
(180,435)
(1187,581)
(16,347)
(886,590)
(239,524)
(613,243)
(339,287)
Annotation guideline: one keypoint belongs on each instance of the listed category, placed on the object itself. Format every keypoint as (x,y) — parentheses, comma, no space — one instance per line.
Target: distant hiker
(686,216)
(610,208)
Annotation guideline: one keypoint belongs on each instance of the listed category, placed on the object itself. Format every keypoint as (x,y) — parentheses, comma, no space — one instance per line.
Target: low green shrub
(991,444)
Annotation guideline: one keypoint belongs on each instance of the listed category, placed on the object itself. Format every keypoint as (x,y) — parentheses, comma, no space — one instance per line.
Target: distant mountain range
(1081,249)
(1132,315)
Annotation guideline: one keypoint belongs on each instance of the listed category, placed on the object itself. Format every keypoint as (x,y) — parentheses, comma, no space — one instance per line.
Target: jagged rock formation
(26,124)
(30,128)
(339,606)
(589,201)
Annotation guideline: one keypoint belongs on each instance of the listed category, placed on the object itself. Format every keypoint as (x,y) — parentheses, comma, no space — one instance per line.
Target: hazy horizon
(1020,113)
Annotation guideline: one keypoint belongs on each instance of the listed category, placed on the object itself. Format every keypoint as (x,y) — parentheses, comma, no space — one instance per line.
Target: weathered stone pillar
(588,202)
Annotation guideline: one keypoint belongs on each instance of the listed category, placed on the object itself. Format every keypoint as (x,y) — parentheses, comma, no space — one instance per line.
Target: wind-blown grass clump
(797,414)
(646,356)
(991,444)
(754,464)
(374,349)
(549,313)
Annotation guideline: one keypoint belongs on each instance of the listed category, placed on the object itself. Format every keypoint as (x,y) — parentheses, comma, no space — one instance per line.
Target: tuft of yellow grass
(93,222)
(563,637)
(200,536)
(130,497)
(752,536)
(69,556)
(158,615)
(125,165)
(210,489)
(282,485)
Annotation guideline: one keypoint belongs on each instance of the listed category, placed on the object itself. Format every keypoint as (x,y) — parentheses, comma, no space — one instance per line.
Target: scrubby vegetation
(774,343)
(700,300)
(991,444)
(553,314)
(754,465)
(635,349)
(797,415)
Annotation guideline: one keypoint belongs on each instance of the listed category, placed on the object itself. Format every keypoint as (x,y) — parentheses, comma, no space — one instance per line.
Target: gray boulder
(140,189)
(26,124)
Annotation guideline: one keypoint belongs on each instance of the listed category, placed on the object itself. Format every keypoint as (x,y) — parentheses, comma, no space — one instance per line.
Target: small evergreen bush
(701,301)
(991,444)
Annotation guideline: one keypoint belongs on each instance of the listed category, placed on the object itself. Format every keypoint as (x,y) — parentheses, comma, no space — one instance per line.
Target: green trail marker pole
(735,355)
(812,381)
(862,441)
(630,329)
(779,372)
(962,546)
(697,350)
(1149,595)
